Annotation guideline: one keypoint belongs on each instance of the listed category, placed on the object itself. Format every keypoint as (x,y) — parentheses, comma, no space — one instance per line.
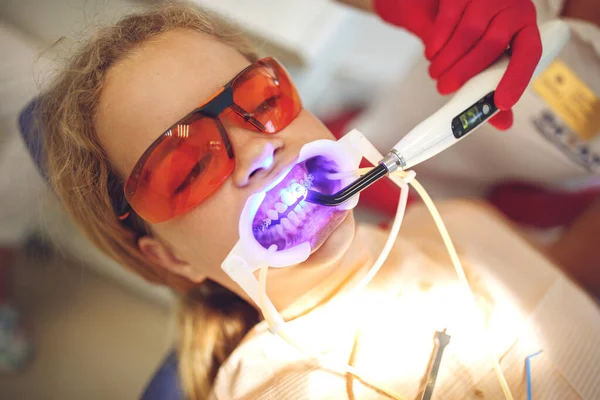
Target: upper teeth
(295,192)
(298,190)
(280,207)
(288,198)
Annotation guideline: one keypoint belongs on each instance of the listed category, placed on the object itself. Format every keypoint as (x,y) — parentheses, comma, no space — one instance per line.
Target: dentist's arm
(464,37)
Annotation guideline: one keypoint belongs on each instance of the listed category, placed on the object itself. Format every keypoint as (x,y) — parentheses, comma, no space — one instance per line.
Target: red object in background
(383,195)
(538,207)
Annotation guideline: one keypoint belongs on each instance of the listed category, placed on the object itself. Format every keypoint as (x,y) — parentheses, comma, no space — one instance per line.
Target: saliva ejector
(283,224)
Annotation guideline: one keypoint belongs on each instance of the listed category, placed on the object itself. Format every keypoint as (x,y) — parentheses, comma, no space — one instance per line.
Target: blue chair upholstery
(32,135)
(165,382)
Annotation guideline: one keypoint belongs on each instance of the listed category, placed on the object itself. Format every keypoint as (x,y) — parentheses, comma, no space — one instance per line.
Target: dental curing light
(469,109)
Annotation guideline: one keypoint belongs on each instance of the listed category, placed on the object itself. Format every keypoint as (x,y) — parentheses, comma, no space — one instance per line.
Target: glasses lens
(268,95)
(184,166)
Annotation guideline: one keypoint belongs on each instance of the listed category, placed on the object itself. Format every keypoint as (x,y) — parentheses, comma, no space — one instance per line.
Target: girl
(227,125)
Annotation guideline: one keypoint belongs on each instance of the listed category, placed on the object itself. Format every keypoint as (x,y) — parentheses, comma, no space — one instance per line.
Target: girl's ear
(161,255)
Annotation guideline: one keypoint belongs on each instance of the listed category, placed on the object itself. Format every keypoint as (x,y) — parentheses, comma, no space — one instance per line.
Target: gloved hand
(464,37)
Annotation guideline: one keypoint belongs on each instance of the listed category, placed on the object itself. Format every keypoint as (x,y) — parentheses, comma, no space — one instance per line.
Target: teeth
(299,210)
(308,180)
(279,229)
(287,224)
(281,208)
(294,218)
(272,214)
(288,198)
(298,190)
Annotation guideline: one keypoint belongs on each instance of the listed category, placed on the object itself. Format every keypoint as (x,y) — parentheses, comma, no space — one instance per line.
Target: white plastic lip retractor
(248,256)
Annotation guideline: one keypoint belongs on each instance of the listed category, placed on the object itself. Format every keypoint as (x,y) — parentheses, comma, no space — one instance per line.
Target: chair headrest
(32,133)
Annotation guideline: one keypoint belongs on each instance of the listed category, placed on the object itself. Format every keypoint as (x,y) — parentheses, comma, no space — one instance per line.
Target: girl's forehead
(155,86)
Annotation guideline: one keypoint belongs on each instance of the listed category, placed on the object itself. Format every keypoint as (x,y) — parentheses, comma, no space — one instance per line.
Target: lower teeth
(287,224)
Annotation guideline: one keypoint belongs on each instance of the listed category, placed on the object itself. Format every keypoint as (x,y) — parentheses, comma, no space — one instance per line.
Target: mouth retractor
(271,229)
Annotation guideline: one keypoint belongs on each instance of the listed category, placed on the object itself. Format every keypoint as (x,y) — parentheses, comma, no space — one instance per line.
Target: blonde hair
(212,319)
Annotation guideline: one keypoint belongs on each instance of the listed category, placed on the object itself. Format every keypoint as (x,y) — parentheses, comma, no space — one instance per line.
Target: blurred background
(98,331)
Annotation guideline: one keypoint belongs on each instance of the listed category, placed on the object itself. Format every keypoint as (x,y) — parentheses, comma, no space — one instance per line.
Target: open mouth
(286,219)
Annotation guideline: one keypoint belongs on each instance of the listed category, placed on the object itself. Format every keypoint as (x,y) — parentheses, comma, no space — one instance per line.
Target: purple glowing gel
(285,219)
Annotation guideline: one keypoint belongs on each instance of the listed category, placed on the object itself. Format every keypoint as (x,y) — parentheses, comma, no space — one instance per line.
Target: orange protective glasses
(189,161)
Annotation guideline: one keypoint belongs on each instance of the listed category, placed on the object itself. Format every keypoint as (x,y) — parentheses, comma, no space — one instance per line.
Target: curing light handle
(470,107)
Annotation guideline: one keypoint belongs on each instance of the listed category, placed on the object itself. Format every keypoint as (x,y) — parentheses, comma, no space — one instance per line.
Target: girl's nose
(253,152)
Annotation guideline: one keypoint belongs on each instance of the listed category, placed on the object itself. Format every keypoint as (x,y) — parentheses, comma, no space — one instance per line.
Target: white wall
(337,55)
(48,20)
(343,56)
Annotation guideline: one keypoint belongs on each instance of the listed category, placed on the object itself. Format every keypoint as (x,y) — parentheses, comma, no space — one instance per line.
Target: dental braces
(300,197)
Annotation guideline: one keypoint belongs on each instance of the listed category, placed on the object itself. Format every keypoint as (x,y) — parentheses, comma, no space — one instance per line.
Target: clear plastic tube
(339,368)
(460,271)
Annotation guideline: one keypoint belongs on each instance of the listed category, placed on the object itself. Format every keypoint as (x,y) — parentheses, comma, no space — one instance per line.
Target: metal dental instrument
(469,109)
(442,339)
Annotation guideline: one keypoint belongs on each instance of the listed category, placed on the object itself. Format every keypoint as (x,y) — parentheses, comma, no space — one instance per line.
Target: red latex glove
(464,37)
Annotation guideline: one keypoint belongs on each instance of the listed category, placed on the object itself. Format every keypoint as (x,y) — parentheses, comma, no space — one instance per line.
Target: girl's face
(154,87)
